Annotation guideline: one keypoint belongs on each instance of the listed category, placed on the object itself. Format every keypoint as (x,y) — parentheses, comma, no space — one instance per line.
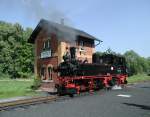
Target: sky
(122,25)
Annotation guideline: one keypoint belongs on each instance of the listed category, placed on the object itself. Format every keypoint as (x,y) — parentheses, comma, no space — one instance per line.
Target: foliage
(136,63)
(108,51)
(16,57)
(36,83)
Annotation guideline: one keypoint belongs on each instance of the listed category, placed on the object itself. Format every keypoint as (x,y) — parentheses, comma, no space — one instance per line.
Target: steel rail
(28,101)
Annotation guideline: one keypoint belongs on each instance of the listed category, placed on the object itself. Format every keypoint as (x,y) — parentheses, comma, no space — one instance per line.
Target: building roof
(63,32)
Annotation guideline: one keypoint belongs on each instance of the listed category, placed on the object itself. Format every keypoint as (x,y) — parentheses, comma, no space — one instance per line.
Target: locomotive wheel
(114,81)
(111,83)
(99,84)
(125,82)
(71,91)
(61,90)
(71,95)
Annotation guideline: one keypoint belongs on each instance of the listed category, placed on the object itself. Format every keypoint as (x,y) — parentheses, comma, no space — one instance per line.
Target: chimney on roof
(62,21)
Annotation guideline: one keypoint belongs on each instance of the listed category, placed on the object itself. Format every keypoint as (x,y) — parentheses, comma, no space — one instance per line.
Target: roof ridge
(61,29)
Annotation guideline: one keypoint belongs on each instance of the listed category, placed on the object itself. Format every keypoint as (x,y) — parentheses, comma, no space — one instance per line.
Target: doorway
(46,73)
(43,73)
(50,73)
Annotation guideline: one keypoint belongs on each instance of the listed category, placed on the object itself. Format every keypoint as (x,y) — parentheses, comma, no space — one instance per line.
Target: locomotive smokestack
(73,52)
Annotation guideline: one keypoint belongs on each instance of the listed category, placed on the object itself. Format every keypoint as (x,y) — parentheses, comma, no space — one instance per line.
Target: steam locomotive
(105,71)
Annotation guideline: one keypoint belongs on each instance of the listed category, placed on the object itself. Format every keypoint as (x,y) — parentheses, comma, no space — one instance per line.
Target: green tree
(136,63)
(16,55)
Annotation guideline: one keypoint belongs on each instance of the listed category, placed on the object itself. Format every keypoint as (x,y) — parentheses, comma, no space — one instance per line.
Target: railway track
(25,102)
(40,100)
(33,101)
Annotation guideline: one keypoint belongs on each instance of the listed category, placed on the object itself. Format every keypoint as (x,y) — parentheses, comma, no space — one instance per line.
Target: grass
(138,78)
(13,88)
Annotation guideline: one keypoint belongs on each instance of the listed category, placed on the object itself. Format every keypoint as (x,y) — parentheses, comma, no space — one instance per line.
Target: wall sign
(46,54)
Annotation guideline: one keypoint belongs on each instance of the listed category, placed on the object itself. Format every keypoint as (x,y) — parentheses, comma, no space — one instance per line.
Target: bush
(148,73)
(4,76)
(36,83)
(24,75)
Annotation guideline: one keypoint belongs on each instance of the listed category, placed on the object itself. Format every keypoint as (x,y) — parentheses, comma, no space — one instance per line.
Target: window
(81,43)
(92,44)
(47,44)
(46,51)
(81,48)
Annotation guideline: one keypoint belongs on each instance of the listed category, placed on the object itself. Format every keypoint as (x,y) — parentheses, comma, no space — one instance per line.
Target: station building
(52,41)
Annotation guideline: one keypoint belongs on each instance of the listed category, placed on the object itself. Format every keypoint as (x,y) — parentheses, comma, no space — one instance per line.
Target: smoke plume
(38,9)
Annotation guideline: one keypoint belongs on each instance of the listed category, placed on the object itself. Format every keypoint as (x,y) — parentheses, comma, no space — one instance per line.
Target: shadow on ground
(145,107)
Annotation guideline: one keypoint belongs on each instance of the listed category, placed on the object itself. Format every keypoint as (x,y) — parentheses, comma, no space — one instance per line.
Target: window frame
(81,43)
(46,44)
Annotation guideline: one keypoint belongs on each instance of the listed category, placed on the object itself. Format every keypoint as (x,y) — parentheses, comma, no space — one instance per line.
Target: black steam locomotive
(101,65)
(105,71)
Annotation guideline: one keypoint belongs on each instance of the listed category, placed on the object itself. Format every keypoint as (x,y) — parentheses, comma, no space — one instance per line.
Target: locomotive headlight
(112,68)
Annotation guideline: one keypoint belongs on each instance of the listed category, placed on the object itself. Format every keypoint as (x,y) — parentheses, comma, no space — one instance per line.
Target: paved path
(133,101)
